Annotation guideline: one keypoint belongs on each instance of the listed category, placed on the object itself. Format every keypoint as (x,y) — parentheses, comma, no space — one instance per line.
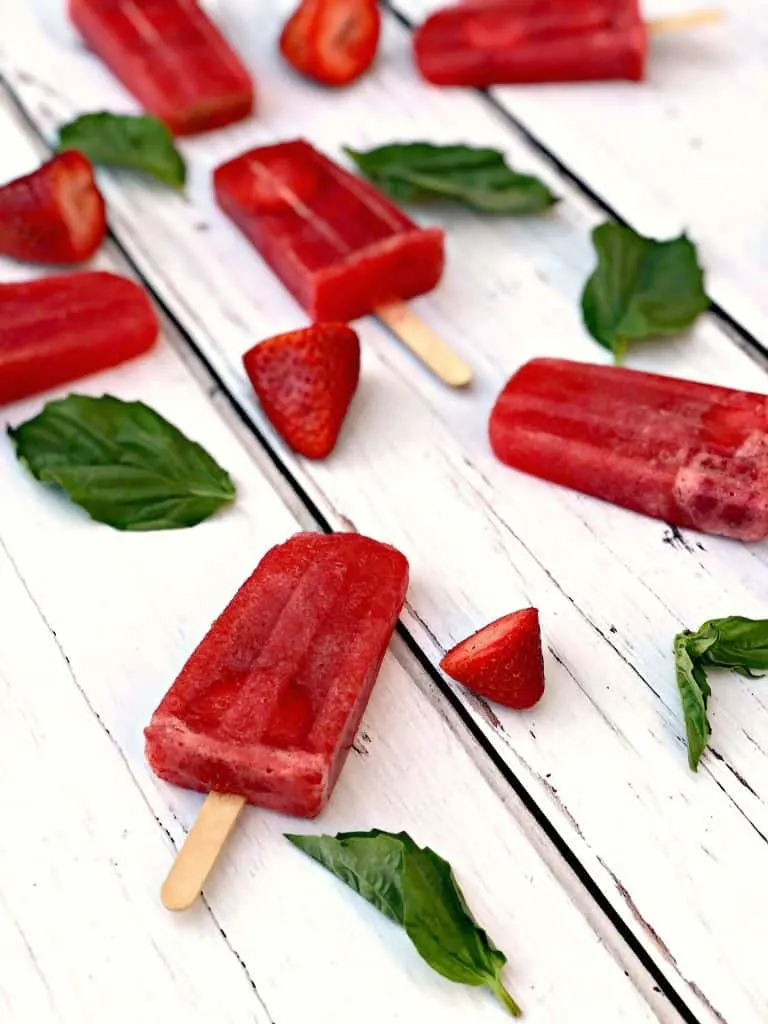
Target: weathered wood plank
(101,623)
(679,152)
(668,849)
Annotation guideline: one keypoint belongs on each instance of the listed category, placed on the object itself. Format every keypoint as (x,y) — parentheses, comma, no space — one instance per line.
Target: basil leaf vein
(123,463)
(415,888)
(641,288)
(476,177)
(139,143)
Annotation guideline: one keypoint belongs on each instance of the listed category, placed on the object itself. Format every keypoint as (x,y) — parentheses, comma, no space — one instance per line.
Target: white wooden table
(623,887)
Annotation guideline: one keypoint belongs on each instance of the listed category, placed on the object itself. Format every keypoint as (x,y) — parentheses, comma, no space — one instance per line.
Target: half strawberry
(55,215)
(503,661)
(332,41)
(305,381)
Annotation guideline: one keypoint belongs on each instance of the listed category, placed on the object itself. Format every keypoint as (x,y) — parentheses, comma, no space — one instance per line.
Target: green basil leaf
(733,642)
(441,927)
(140,143)
(739,643)
(415,888)
(695,692)
(477,178)
(123,463)
(369,863)
(641,288)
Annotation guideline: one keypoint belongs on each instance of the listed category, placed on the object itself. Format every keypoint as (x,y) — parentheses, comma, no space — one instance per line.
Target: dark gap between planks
(635,946)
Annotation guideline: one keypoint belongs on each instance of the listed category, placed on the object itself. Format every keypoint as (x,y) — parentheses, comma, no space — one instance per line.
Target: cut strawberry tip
(502,662)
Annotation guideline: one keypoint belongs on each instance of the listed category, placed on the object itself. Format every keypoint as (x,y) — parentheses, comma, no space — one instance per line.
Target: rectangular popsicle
(171,56)
(496,42)
(57,329)
(338,245)
(268,704)
(691,454)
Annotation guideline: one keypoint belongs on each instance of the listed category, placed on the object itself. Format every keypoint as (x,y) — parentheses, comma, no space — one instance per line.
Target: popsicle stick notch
(425,344)
(200,851)
(681,22)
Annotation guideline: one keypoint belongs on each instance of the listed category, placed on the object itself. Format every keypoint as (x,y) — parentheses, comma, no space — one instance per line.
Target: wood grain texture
(678,152)
(100,623)
(603,754)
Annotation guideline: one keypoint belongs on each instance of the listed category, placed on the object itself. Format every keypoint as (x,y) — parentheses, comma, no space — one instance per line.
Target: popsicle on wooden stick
(339,246)
(692,454)
(505,42)
(171,56)
(268,705)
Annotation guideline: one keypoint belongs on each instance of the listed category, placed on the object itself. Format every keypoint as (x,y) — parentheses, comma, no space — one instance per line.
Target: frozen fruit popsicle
(267,706)
(339,246)
(171,56)
(57,329)
(691,454)
(494,42)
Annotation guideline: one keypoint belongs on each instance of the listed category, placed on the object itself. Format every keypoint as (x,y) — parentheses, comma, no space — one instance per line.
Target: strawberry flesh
(332,41)
(503,661)
(305,381)
(54,215)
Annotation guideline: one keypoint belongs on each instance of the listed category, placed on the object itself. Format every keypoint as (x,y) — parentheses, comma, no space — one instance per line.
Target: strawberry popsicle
(171,56)
(691,454)
(495,42)
(268,705)
(57,329)
(339,246)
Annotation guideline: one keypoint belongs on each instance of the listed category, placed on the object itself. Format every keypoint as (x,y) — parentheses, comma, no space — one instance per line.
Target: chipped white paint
(603,754)
(97,624)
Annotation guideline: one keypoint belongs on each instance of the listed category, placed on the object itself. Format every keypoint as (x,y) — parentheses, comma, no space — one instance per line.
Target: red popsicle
(525,41)
(57,329)
(691,454)
(268,705)
(339,246)
(171,56)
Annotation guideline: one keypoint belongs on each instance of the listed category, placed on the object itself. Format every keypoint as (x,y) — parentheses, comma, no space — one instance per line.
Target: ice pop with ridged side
(267,707)
(695,455)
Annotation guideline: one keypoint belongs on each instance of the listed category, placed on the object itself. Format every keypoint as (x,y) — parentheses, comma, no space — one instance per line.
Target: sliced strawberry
(332,41)
(502,661)
(305,381)
(55,214)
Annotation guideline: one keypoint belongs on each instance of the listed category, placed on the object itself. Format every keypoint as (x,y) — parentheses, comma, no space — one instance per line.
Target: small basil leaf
(739,643)
(123,463)
(641,288)
(415,888)
(477,178)
(439,924)
(371,864)
(140,143)
(694,694)
(733,642)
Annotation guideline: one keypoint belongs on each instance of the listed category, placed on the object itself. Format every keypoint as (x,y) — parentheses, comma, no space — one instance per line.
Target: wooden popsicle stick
(200,851)
(425,344)
(680,22)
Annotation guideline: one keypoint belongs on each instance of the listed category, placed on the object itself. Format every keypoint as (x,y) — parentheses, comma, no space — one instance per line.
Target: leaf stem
(506,1000)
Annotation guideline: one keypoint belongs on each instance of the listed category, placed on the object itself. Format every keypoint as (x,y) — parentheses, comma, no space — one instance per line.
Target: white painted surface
(682,150)
(603,754)
(97,625)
